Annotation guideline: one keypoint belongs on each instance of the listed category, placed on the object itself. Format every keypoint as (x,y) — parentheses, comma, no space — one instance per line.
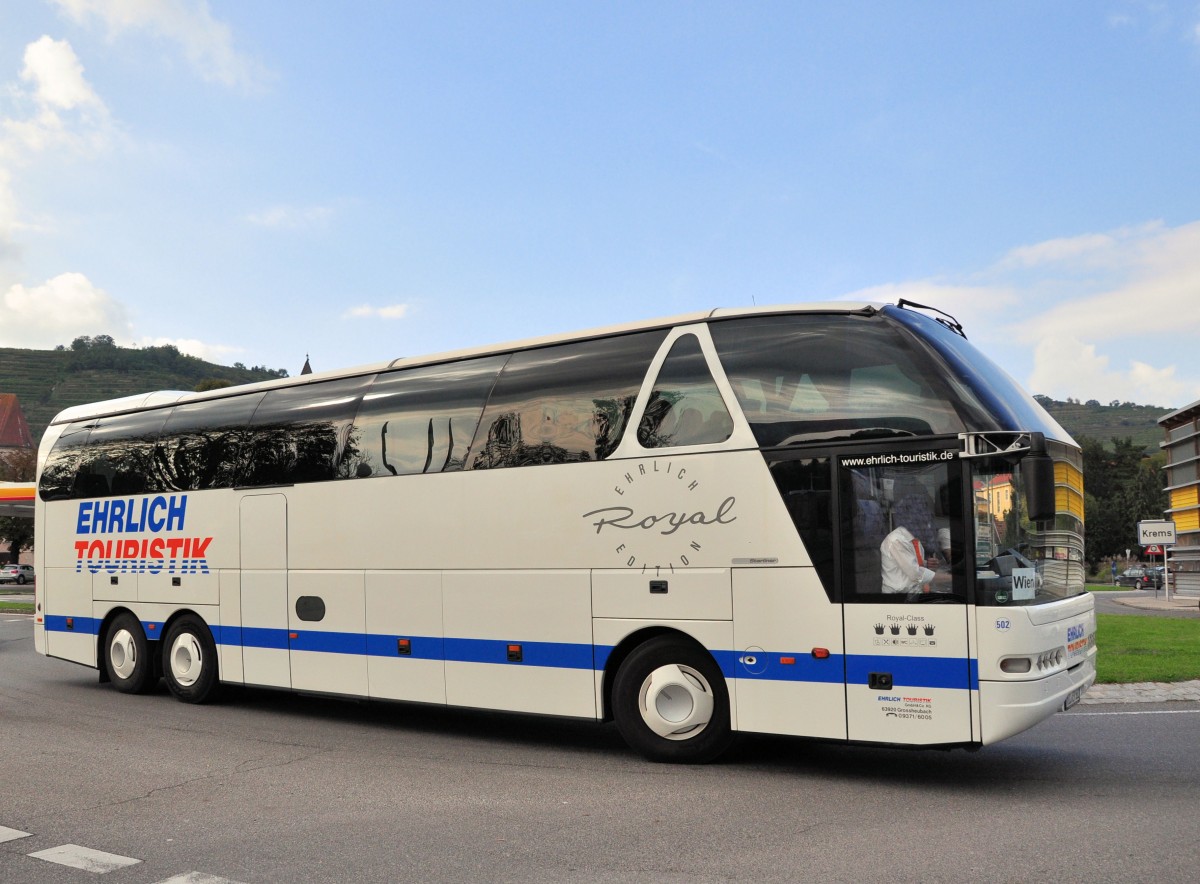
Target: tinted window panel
(300,434)
(685,407)
(564,404)
(57,481)
(421,420)
(809,378)
(119,456)
(202,443)
(807,491)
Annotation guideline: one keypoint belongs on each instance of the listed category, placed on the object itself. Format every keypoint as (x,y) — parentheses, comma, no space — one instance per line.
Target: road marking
(1145,712)
(85,858)
(7,834)
(197,878)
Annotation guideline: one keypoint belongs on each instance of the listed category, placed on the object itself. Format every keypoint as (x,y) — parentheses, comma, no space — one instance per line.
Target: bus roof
(160,398)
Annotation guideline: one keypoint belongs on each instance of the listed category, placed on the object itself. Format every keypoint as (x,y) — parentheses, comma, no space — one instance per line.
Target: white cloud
(1152,276)
(1091,375)
(58,311)
(366,311)
(291,217)
(1103,315)
(60,108)
(206,42)
(218,353)
(8,218)
(57,75)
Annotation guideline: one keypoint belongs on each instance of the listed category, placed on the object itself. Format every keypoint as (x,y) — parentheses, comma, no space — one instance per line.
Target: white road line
(7,834)
(197,878)
(85,858)
(1144,712)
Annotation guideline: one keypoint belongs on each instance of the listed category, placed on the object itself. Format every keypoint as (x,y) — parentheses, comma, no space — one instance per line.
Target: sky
(258,182)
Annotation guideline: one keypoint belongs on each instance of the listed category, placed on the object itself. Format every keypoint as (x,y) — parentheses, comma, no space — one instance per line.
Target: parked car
(1141,578)
(19,574)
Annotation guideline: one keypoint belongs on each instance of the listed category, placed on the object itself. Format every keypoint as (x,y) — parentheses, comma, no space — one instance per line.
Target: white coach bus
(693,527)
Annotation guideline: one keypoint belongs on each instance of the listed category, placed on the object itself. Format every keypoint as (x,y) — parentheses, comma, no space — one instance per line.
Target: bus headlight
(1015,665)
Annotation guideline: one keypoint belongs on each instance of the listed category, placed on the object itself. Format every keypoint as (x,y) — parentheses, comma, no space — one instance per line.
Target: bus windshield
(1019,562)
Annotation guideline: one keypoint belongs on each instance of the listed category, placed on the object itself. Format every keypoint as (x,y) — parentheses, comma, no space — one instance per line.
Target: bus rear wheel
(127,655)
(189,660)
(670,702)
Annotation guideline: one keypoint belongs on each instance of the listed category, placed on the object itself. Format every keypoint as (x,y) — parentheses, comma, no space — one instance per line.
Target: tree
(1123,487)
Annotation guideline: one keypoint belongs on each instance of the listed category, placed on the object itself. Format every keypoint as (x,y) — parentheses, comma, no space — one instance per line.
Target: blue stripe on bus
(770,666)
(927,672)
(916,672)
(82,625)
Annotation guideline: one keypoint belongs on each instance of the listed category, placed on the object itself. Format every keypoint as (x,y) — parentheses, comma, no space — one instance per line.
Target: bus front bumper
(1009,707)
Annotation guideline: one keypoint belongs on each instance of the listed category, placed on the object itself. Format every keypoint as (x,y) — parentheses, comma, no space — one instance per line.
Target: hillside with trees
(95,368)
(1116,420)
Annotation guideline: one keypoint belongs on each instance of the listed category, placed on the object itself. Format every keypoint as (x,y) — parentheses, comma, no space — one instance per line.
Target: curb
(1143,692)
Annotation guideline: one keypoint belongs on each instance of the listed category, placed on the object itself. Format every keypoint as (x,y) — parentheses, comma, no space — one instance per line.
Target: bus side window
(119,456)
(201,442)
(897,528)
(564,404)
(819,378)
(420,420)
(298,434)
(805,486)
(685,407)
(58,476)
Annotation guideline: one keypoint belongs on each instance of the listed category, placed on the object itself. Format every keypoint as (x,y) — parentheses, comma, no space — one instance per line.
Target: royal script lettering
(666,523)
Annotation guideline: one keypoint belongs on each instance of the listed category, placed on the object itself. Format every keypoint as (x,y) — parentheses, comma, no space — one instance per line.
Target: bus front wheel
(127,655)
(190,660)
(670,702)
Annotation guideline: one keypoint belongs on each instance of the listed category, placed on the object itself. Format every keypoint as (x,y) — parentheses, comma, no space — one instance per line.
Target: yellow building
(1182,446)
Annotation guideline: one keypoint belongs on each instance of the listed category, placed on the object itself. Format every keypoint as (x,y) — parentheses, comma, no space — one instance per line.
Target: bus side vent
(658,587)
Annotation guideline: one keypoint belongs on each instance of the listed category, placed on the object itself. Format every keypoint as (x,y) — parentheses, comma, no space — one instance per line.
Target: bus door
(264,590)
(902,536)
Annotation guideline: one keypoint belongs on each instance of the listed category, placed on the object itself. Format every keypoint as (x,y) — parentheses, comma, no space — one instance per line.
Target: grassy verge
(1135,649)
(16,607)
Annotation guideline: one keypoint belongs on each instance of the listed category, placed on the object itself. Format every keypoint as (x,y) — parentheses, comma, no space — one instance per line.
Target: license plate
(1073,698)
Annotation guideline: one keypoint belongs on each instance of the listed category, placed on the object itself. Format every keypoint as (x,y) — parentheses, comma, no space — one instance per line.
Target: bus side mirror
(1037,469)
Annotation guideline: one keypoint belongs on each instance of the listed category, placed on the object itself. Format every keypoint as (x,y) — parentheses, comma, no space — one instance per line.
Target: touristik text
(148,551)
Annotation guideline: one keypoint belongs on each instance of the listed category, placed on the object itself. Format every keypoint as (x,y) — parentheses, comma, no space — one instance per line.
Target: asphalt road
(268,787)
(1147,602)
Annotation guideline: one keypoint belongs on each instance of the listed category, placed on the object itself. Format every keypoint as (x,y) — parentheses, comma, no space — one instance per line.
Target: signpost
(1156,536)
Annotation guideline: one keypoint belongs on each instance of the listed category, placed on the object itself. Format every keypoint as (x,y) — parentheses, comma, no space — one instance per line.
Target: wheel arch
(628,645)
(102,634)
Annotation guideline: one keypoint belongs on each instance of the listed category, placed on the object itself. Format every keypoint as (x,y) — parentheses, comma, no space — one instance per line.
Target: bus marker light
(70,623)
(404,647)
(820,653)
(515,654)
(788,661)
(293,635)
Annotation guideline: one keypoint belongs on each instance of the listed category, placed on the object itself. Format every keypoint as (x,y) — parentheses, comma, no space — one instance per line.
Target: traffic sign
(1162,532)
(1154,550)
